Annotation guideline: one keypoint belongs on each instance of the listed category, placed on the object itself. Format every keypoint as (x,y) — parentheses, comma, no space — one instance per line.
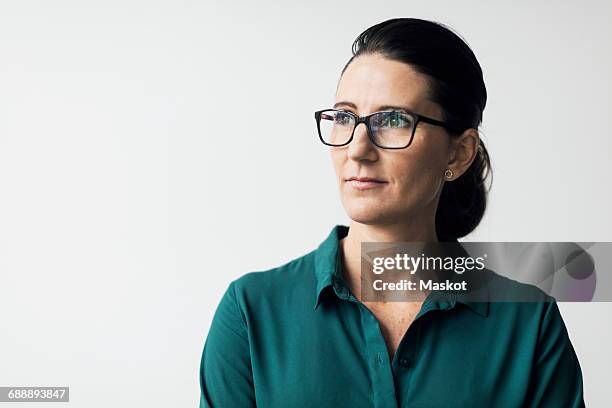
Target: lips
(366,179)
(365,183)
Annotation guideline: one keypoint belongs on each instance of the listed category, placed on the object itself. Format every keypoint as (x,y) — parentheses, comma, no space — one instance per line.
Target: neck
(350,246)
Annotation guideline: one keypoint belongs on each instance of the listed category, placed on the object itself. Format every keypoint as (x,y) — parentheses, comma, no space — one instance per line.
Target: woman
(404,142)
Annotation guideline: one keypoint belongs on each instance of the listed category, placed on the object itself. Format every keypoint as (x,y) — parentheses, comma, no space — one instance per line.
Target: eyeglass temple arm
(435,122)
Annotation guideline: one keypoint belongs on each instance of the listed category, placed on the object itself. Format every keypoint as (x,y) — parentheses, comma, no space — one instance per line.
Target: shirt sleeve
(556,379)
(226,378)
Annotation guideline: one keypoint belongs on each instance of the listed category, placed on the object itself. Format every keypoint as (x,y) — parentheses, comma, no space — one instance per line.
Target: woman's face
(413,177)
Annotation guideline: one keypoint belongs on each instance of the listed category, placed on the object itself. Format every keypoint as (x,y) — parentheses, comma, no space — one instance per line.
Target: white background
(151,152)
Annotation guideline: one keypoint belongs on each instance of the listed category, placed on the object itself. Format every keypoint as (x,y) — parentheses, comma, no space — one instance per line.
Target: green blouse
(295,336)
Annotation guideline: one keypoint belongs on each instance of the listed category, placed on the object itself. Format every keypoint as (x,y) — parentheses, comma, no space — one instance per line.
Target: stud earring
(448,174)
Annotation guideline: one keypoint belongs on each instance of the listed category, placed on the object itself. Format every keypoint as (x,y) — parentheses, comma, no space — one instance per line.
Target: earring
(448,174)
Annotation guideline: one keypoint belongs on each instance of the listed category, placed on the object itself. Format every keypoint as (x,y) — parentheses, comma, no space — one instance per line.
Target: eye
(394,120)
(343,119)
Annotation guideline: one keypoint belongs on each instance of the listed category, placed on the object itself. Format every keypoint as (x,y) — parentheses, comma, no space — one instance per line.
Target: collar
(327,263)
(327,274)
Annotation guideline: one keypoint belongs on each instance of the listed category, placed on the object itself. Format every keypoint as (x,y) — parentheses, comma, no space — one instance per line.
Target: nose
(361,147)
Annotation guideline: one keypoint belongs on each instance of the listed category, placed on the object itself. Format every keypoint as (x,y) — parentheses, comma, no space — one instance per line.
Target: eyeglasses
(386,129)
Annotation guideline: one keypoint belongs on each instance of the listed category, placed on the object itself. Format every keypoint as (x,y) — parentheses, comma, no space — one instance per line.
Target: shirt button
(404,362)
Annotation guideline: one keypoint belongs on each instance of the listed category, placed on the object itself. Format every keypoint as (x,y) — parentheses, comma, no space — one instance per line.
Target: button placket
(405,362)
(382,377)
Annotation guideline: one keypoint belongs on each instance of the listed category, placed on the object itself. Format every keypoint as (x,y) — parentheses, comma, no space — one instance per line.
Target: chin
(366,214)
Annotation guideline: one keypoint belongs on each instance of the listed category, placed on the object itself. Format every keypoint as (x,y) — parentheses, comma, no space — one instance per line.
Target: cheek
(336,159)
(416,174)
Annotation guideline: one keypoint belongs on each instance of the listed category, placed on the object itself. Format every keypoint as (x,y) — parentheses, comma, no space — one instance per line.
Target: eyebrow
(380,108)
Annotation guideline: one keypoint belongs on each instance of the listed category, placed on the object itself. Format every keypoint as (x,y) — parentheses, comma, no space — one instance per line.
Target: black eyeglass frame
(366,120)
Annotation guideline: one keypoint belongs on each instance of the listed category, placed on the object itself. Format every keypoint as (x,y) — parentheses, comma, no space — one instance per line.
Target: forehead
(373,80)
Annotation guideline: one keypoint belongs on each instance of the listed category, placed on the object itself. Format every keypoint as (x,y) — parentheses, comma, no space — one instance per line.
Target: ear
(464,150)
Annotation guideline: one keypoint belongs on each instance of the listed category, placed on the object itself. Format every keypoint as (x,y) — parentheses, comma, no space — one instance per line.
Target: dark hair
(457,85)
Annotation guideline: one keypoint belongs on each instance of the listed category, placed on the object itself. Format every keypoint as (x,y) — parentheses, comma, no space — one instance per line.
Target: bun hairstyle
(457,86)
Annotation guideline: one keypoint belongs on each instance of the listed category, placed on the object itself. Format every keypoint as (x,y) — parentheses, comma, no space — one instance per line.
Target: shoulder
(518,304)
(524,307)
(276,286)
(295,269)
(522,314)
(504,289)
